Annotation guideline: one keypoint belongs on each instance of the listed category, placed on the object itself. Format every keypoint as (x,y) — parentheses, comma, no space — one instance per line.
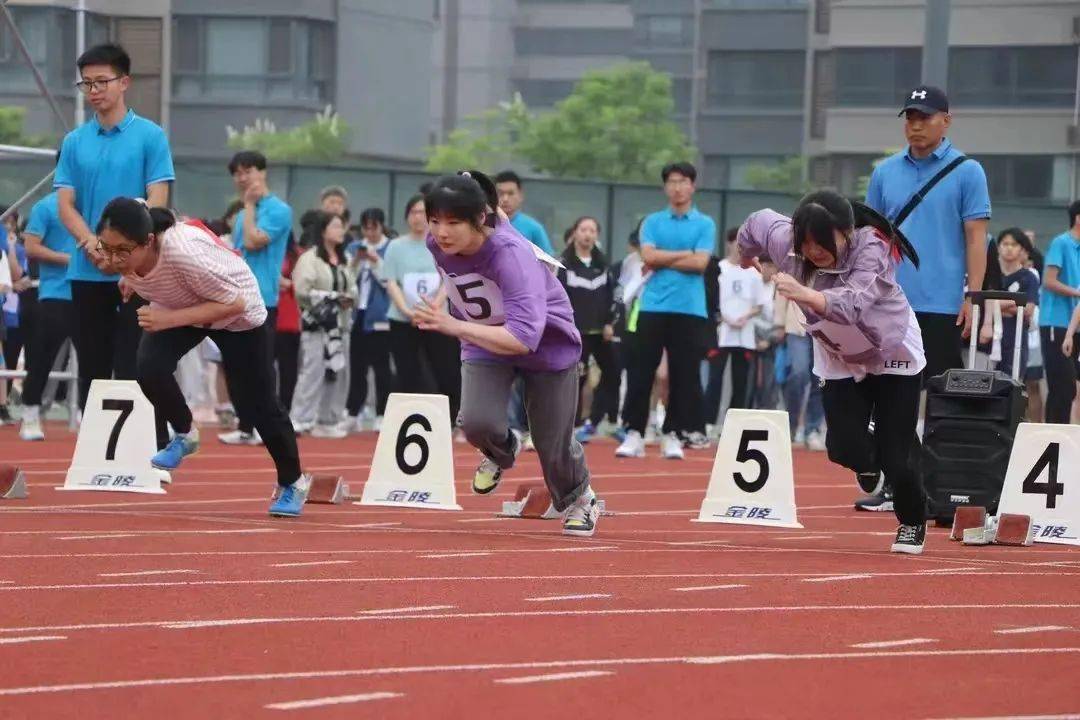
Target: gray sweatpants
(551,400)
(315,400)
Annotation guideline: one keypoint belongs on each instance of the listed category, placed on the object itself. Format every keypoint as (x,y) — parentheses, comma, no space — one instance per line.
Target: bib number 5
(482,304)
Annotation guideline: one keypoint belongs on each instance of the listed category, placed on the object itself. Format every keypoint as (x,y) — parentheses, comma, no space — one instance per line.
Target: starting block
(967,517)
(12,483)
(1015,530)
(533,501)
(327,490)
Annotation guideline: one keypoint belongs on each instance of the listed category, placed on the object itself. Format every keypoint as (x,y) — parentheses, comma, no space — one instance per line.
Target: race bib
(417,286)
(476,297)
(840,340)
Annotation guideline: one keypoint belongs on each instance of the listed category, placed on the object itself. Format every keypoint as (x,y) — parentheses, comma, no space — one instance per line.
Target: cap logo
(918,95)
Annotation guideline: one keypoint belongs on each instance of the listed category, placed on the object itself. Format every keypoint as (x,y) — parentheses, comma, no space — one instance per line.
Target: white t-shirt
(741,290)
(833,342)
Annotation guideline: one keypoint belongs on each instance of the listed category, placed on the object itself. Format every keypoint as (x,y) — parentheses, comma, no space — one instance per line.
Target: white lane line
(707,587)
(553,677)
(417,608)
(371,525)
(1032,629)
(7,582)
(91,535)
(313,563)
(554,598)
(947,570)
(805,537)
(535,665)
(340,551)
(455,555)
(97,537)
(142,573)
(861,576)
(1068,716)
(337,700)
(893,643)
(32,638)
(487,520)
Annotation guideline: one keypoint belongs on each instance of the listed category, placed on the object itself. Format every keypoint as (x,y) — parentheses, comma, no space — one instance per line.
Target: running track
(199,605)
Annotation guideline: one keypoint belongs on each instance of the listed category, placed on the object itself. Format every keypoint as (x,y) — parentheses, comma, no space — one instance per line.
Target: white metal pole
(80,48)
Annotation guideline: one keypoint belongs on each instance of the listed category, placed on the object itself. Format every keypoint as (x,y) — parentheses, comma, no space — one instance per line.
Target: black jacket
(591,290)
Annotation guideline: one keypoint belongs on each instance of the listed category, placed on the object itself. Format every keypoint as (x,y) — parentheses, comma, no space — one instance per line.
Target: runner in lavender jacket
(838,261)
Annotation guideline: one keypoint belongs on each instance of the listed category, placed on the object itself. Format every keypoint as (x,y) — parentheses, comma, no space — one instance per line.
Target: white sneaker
(527,442)
(580,518)
(651,434)
(800,437)
(356,424)
(31,425)
(377,425)
(302,428)
(632,447)
(331,432)
(671,447)
(815,441)
(237,437)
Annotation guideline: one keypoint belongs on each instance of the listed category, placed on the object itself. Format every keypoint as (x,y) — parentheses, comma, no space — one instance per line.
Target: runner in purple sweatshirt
(513,318)
(838,260)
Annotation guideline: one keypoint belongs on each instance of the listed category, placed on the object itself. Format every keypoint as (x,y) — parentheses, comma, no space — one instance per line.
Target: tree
(323,140)
(487,140)
(11,129)
(616,125)
(786,177)
(864,180)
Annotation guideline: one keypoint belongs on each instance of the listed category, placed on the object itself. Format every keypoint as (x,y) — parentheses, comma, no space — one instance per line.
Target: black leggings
(106,333)
(245,357)
(1060,374)
(245,419)
(742,362)
(54,326)
(368,350)
(605,401)
(893,403)
(680,335)
(287,356)
(443,355)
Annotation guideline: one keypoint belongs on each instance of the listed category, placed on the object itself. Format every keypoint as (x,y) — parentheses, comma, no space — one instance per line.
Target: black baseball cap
(926,99)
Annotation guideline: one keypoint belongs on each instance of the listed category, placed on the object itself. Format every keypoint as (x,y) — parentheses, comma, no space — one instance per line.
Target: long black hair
(134,220)
(822,212)
(314,229)
(599,259)
(461,197)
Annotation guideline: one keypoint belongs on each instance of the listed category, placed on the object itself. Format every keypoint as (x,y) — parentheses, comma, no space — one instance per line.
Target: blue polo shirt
(100,165)
(533,231)
(936,227)
(669,290)
(1064,253)
(274,218)
(45,223)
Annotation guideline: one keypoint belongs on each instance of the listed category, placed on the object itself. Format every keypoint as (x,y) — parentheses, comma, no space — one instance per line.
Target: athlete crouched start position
(197,288)
(838,261)
(513,318)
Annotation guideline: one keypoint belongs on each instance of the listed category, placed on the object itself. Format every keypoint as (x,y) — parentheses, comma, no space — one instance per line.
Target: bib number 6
(748,454)
(405,439)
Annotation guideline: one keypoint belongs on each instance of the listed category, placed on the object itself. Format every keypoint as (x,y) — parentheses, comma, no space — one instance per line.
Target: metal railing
(70,375)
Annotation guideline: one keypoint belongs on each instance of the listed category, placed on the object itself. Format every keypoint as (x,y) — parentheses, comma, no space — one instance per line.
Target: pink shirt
(194,268)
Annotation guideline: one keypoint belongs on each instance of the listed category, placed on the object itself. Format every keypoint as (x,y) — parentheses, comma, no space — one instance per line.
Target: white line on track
(312,563)
(707,587)
(336,700)
(97,537)
(804,537)
(948,570)
(455,555)
(143,573)
(372,525)
(830,578)
(535,665)
(893,643)
(341,551)
(32,638)
(1068,716)
(556,598)
(417,608)
(1032,629)
(554,677)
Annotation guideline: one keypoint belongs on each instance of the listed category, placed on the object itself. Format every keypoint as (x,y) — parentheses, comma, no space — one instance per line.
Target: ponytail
(866,216)
(134,220)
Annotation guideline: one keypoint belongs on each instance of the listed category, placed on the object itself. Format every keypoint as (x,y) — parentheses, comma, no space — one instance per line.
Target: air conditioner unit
(1073,136)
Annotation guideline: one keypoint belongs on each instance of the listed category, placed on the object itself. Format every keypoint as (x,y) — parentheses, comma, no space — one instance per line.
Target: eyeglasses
(120,254)
(88,86)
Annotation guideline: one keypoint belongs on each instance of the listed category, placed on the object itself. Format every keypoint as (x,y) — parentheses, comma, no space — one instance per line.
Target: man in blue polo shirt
(261,234)
(116,153)
(1057,300)
(52,246)
(947,229)
(676,244)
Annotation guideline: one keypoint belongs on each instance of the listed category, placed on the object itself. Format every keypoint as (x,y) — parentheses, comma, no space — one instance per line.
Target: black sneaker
(871,483)
(910,539)
(877,503)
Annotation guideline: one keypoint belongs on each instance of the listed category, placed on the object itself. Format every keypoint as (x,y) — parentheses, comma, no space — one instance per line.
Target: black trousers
(54,327)
(681,335)
(368,350)
(605,401)
(244,414)
(246,359)
(893,402)
(287,356)
(943,343)
(742,363)
(1060,374)
(106,333)
(443,356)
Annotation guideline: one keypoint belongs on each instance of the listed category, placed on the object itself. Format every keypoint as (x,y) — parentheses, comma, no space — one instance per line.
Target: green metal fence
(203,189)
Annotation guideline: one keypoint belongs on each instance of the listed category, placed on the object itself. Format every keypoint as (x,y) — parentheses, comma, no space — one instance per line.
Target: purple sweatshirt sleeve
(521,278)
(766,232)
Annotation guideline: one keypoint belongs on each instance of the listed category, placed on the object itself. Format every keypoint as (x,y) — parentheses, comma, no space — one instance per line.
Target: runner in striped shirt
(198,287)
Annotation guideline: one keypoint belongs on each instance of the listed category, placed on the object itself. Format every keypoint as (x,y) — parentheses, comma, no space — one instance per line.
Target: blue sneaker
(178,448)
(619,434)
(585,433)
(290,501)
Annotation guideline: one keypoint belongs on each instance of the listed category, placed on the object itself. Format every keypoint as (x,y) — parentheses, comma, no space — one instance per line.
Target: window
(252,59)
(571,41)
(1019,177)
(876,77)
(756,79)
(822,16)
(1013,76)
(665,30)
(46,33)
(543,93)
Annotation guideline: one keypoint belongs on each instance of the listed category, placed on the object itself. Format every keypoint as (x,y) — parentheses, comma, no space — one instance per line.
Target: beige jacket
(313,279)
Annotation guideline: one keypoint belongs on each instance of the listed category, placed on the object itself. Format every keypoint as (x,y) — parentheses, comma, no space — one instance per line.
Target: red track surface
(439,634)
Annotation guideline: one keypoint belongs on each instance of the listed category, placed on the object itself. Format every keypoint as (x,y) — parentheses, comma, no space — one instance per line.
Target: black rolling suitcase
(971,420)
